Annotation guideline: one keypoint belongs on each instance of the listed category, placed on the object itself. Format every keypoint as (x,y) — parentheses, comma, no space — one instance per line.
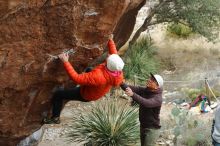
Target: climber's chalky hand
(64,57)
(110,36)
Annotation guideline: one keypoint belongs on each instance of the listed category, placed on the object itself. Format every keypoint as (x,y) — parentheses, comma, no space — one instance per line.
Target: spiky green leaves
(106,123)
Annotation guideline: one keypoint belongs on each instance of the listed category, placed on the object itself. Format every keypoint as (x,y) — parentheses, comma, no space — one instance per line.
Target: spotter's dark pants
(148,136)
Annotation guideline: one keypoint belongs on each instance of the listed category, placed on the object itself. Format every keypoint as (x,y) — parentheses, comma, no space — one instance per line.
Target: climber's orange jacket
(95,84)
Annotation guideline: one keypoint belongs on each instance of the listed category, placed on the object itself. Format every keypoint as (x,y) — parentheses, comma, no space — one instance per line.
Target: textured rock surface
(30,31)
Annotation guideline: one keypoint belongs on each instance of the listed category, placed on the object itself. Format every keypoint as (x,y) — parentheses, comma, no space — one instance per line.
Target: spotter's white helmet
(159,79)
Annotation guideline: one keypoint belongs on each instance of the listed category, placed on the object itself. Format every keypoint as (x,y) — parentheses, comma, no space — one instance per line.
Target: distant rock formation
(29,31)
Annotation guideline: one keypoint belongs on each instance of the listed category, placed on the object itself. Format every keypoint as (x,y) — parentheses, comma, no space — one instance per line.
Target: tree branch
(147,21)
(159,22)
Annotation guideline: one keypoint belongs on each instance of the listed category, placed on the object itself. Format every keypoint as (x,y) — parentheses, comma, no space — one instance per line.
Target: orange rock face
(30,31)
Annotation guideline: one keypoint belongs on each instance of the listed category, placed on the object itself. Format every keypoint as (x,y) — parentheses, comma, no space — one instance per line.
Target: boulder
(30,32)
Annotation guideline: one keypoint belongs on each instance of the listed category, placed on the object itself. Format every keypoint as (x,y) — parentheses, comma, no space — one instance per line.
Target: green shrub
(197,139)
(194,132)
(192,93)
(106,123)
(140,61)
(180,30)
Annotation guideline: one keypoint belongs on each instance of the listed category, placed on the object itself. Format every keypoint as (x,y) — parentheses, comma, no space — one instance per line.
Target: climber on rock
(93,84)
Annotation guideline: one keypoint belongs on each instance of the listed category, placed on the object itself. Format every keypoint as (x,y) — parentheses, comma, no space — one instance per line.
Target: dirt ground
(54,134)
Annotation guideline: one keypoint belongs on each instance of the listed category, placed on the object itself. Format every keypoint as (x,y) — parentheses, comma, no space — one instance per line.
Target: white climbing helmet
(115,63)
(159,79)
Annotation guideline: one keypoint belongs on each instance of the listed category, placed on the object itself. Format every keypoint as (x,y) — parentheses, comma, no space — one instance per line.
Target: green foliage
(197,140)
(175,112)
(189,128)
(202,16)
(192,93)
(180,30)
(106,123)
(140,61)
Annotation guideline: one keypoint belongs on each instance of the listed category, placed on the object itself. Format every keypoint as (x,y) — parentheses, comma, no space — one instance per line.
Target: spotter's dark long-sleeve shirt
(150,104)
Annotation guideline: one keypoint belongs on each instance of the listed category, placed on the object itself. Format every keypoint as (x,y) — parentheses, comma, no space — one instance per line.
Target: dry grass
(195,49)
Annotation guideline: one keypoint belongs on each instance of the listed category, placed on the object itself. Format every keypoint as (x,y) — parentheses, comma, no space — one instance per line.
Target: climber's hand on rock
(111,36)
(64,57)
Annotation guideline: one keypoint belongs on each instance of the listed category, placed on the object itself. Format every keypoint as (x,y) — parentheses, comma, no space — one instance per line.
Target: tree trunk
(146,23)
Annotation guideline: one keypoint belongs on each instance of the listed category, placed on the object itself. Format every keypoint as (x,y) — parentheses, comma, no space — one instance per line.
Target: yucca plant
(140,60)
(105,123)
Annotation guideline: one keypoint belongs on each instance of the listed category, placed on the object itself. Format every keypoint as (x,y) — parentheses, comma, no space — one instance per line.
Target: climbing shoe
(54,120)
